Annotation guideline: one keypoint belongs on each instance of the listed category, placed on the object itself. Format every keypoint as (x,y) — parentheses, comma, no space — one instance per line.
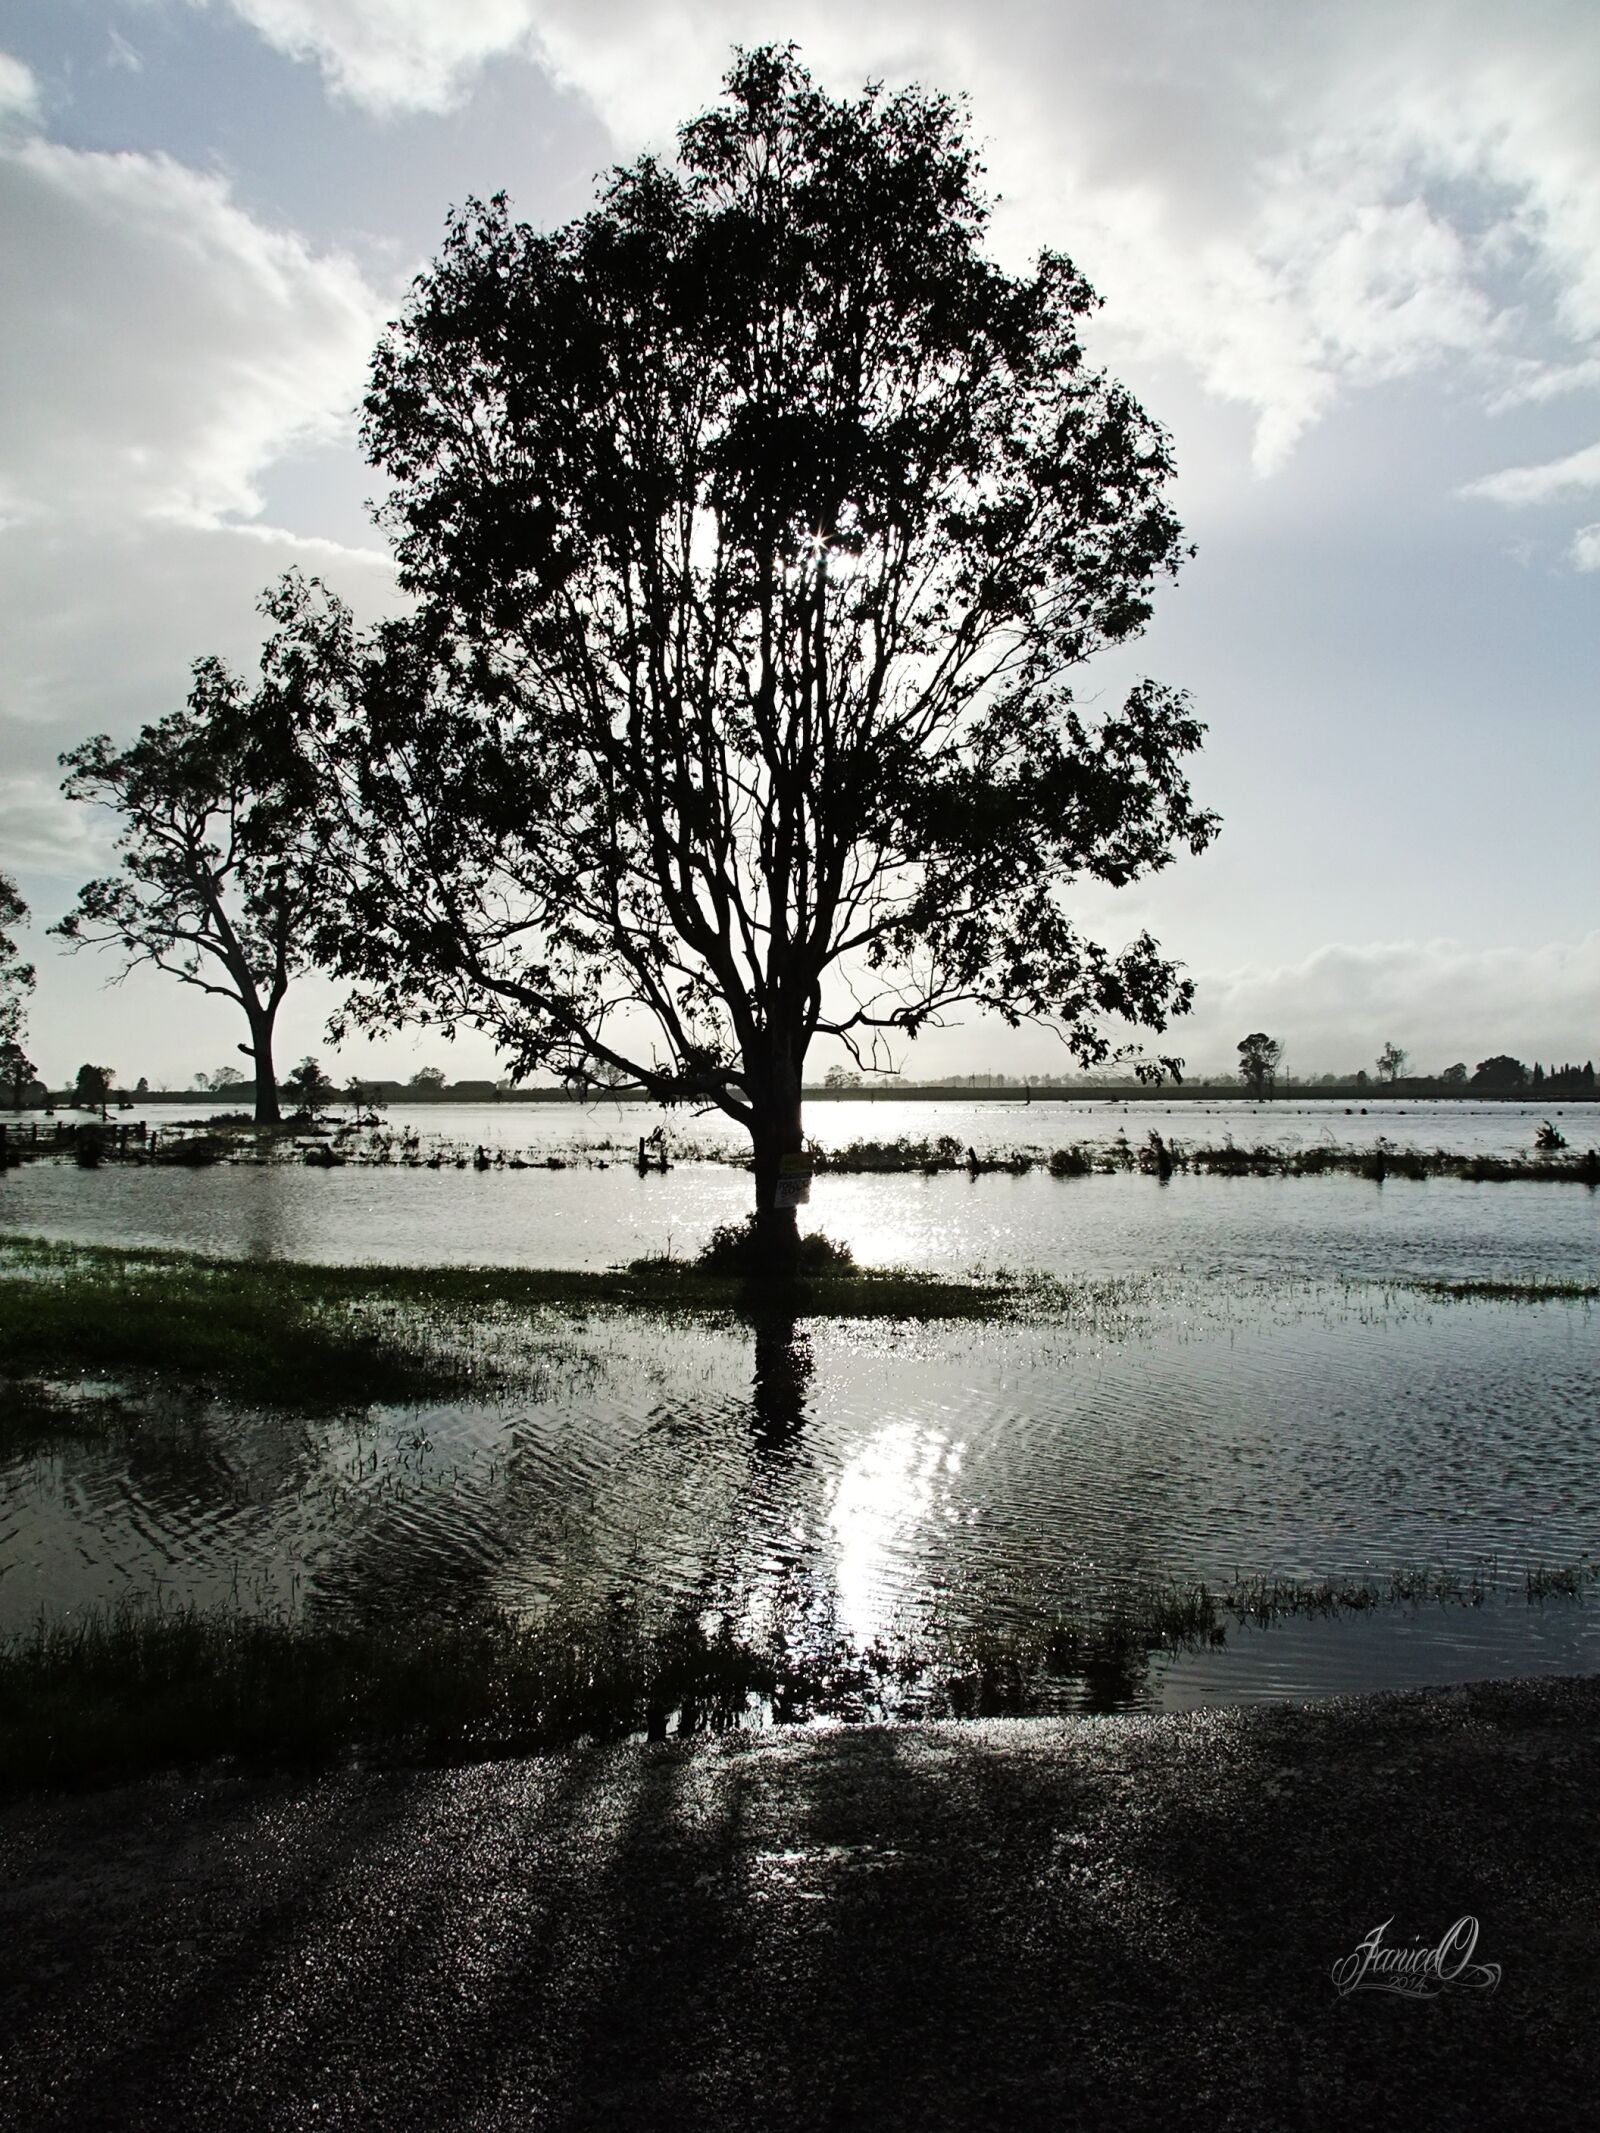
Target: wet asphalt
(1111,1922)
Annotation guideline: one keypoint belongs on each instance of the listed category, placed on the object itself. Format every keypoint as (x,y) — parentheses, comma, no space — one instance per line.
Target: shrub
(734,1248)
(1069,1163)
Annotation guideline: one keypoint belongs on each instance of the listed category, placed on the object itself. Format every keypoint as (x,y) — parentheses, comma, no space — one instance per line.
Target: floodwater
(1249,1387)
(592,1217)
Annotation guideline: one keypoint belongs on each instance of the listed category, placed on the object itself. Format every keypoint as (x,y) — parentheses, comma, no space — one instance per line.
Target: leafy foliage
(757,519)
(310,1087)
(1259,1058)
(1501,1074)
(221,860)
(16,976)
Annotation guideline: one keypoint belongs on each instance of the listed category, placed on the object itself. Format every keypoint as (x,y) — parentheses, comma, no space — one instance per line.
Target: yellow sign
(795,1166)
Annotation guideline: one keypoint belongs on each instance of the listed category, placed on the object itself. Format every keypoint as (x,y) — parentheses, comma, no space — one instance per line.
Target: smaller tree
(428,1081)
(92,1090)
(1391,1063)
(1455,1077)
(309,1087)
(222,858)
(1501,1075)
(16,982)
(1259,1058)
(364,1100)
(838,1077)
(16,1070)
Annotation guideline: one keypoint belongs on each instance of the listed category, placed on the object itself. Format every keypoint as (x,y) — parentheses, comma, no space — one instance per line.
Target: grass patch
(259,1333)
(327,1337)
(136,1689)
(1568,1581)
(1383,1160)
(112,1693)
(1511,1291)
(667,1284)
(735,1248)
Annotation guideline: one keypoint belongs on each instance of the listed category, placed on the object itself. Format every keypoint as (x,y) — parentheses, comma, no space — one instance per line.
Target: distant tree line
(1499,1075)
(308,1087)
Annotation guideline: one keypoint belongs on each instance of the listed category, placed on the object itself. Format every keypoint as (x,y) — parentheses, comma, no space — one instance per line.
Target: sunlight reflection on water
(871,1482)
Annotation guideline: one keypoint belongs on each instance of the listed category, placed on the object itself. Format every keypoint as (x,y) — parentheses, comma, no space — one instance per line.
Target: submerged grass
(1157,1157)
(111,1693)
(1511,1291)
(260,1333)
(328,1337)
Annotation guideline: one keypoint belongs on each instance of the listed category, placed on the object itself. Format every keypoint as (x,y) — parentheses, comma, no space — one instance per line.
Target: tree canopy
(756,520)
(16,982)
(1259,1059)
(16,976)
(1499,1074)
(221,860)
(93,1086)
(310,1087)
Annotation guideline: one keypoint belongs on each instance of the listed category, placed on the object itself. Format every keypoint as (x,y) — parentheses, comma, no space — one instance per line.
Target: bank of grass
(112,1693)
(254,1335)
(324,1337)
(1538,1291)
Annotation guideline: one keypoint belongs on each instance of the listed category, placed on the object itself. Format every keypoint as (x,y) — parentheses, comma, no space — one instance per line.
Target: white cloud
(99,628)
(119,53)
(1298,203)
(159,347)
(1533,383)
(1584,554)
(393,55)
(19,93)
(1572,475)
(1440,1000)
(43,833)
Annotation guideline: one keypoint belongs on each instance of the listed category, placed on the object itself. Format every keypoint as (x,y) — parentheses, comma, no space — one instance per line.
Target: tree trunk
(260,1050)
(776,1131)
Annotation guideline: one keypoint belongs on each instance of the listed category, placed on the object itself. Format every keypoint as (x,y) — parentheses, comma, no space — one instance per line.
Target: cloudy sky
(1349,255)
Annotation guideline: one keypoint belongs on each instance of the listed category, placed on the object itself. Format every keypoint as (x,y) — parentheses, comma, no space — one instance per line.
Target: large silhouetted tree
(757,521)
(221,859)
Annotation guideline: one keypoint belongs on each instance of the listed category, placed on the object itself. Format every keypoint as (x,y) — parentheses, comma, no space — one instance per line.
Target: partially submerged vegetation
(110,1693)
(259,1332)
(281,1332)
(1158,1157)
(197,1144)
(1536,1291)
(78,1321)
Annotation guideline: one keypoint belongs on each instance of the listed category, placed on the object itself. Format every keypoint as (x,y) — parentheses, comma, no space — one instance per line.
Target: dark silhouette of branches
(756,522)
(221,862)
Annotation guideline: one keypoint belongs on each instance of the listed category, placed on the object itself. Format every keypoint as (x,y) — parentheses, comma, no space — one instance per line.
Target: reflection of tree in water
(1099,1666)
(783,1370)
